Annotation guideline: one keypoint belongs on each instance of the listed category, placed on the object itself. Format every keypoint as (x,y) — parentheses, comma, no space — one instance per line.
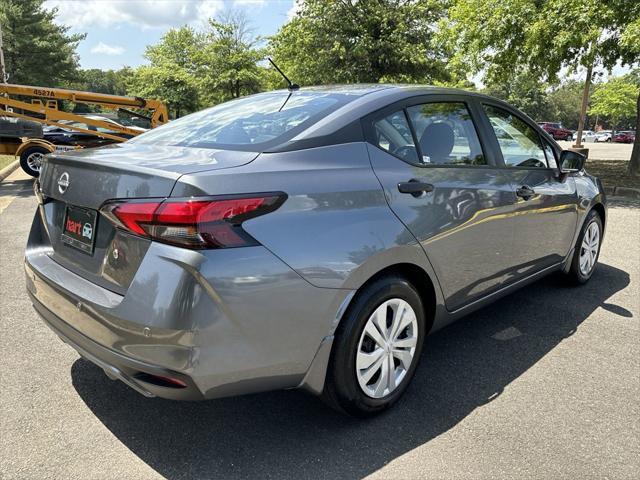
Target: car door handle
(415,187)
(525,192)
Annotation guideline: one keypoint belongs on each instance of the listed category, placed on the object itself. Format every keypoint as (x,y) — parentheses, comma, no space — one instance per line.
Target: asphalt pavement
(542,384)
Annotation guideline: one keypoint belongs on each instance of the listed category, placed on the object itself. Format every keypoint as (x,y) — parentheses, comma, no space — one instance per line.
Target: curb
(9,169)
(623,192)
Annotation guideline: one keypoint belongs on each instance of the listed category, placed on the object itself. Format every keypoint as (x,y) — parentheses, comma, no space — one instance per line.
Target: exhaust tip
(160,381)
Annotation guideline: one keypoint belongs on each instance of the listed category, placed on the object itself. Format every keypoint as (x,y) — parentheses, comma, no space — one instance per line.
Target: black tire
(25,160)
(342,390)
(575,275)
(569,138)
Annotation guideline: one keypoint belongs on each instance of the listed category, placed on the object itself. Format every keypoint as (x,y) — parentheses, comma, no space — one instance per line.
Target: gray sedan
(303,238)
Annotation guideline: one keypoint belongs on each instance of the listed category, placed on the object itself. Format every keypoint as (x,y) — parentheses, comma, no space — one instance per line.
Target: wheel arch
(423,282)
(35,142)
(418,278)
(602,212)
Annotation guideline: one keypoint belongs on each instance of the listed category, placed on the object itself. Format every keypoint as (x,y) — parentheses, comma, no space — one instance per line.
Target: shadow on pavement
(16,188)
(293,435)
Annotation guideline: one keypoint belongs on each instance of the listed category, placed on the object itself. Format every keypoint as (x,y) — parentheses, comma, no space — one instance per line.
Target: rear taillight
(194,222)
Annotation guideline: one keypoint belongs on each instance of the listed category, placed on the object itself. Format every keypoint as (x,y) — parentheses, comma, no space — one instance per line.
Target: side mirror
(571,161)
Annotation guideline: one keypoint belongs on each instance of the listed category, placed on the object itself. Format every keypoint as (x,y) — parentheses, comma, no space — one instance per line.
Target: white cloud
(105,49)
(82,14)
(297,4)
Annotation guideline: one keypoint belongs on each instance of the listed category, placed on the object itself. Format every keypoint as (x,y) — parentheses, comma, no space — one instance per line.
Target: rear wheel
(587,249)
(376,349)
(31,160)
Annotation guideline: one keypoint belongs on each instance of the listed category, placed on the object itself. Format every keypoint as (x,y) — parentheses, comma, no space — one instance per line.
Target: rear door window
(446,134)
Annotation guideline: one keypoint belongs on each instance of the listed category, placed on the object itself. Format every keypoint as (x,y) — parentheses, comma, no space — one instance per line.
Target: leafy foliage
(171,75)
(346,41)
(543,37)
(616,99)
(37,51)
(190,69)
(228,63)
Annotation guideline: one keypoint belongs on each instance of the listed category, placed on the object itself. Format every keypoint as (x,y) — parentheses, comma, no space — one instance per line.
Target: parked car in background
(604,136)
(588,136)
(68,136)
(556,130)
(626,136)
(308,238)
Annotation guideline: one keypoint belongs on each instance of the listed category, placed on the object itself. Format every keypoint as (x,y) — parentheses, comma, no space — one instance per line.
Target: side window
(519,143)
(446,134)
(393,134)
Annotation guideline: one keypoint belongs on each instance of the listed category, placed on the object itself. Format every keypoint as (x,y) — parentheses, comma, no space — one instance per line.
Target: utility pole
(5,77)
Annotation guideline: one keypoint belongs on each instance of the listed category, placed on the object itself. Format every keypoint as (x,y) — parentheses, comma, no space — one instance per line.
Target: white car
(587,136)
(604,136)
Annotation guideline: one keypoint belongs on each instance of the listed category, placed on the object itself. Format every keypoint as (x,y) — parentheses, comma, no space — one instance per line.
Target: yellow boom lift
(43,109)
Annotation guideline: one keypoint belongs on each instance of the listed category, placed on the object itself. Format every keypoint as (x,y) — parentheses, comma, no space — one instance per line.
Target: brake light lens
(194,222)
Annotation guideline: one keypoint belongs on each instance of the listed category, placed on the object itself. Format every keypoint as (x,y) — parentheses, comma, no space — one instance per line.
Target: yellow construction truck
(20,136)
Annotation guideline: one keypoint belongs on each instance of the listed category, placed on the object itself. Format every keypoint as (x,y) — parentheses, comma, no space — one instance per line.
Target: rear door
(545,211)
(447,189)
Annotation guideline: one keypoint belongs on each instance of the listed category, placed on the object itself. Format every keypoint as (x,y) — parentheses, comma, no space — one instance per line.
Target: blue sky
(119,30)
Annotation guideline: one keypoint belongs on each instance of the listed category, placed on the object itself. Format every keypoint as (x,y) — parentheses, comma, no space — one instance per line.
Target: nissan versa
(308,239)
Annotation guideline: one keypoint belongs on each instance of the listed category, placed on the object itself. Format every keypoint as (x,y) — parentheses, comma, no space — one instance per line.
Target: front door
(545,211)
(448,191)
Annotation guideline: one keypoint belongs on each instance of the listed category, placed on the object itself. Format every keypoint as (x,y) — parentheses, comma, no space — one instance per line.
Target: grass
(6,160)
(613,173)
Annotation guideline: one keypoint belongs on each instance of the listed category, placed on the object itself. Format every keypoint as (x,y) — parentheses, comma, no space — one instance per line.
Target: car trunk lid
(89,178)
(128,170)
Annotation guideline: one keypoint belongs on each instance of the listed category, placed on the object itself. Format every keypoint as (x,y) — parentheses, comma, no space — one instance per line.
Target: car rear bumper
(224,322)
(118,366)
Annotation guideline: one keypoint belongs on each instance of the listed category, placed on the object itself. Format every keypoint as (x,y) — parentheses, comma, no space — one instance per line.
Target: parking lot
(542,384)
(604,150)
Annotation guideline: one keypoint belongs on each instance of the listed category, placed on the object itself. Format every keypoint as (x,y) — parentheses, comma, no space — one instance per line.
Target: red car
(624,137)
(557,131)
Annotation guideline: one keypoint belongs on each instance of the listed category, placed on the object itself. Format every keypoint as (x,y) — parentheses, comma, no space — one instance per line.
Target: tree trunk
(634,163)
(585,103)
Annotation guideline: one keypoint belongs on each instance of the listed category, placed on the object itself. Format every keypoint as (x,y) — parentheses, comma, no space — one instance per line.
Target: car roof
(362,89)
(369,98)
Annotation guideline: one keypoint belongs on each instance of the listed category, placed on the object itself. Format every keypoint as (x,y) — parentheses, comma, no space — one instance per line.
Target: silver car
(307,239)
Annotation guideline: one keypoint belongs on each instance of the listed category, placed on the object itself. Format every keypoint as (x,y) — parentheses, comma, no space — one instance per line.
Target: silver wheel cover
(386,348)
(589,248)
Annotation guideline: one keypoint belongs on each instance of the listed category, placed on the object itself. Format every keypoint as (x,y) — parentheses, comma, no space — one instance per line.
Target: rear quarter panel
(335,229)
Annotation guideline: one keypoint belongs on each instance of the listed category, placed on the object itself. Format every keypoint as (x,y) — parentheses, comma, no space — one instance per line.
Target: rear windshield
(249,123)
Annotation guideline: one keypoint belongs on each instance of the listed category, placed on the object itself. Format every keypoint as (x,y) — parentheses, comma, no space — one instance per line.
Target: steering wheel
(406,152)
(532,162)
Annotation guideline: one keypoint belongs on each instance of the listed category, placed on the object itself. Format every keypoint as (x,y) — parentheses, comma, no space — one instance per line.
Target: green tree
(498,37)
(36,50)
(171,75)
(334,41)
(615,99)
(525,92)
(113,82)
(228,62)
(563,100)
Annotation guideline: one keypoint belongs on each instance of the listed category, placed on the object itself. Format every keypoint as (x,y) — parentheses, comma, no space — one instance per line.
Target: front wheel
(569,138)
(31,160)
(587,249)
(376,349)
